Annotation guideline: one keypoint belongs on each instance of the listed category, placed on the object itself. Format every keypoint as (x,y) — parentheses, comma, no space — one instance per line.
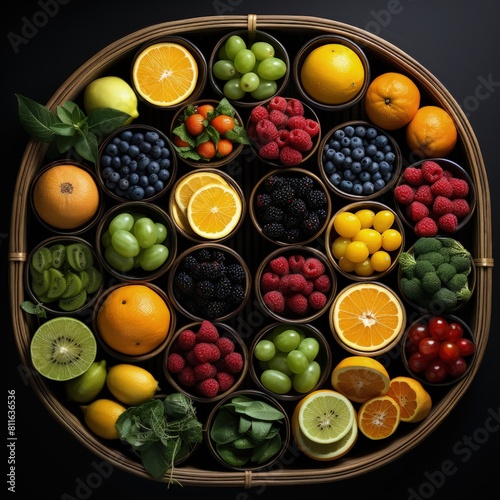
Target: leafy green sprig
(69,127)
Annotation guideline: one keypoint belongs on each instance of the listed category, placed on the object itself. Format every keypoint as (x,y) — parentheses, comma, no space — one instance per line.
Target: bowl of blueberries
(136,163)
(359,161)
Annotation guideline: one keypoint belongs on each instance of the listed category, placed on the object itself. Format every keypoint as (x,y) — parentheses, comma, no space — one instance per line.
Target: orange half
(379,417)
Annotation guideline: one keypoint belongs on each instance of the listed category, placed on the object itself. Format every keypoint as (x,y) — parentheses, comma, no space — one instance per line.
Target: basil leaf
(63,129)
(86,147)
(155,460)
(263,411)
(259,430)
(103,121)
(36,119)
(64,144)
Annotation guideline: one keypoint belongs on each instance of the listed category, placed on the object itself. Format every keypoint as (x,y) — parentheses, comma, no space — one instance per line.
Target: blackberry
(273,182)
(283,196)
(184,283)
(311,223)
(215,309)
(204,255)
(273,230)
(223,288)
(290,221)
(297,207)
(316,199)
(293,235)
(236,273)
(210,270)
(304,185)
(204,291)
(190,262)
(263,200)
(218,256)
(237,294)
(321,213)
(273,214)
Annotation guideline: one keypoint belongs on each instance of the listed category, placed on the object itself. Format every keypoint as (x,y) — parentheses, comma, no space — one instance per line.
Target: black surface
(457,41)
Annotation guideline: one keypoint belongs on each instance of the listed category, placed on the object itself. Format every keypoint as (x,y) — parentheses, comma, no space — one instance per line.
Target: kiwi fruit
(58,251)
(57,284)
(74,302)
(41,259)
(63,348)
(40,282)
(94,279)
(73,285)
(79,256)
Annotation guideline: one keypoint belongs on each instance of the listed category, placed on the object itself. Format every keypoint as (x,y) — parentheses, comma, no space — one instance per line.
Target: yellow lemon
(101,416)
(131,384)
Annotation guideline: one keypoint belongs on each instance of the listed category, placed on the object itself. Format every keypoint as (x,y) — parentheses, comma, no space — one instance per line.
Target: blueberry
(158,186)
(329,167)
(106,172)
(160,142)
(338,158)
(153,167)
(364,176)
(349,131)
(123,146)
(371,150)
(152,178)
(116,162)
(357,188)
(156,152)
(133,151)
(379,184)
(165,153)
(123,184)
(126,160)
(358,154)
(372,167)
(345,141)
(126,135)
(149,191)
(124,171)
(143,181)
(133,179)
(387,148)
(339,134)
(335,145)
(345,186)
(378,156)
(151,136)
(390,157)
(145,147)
(371,133)
(346,151)
(137,193)
(348,161)
(335,178)
(111,149)
(165,163)
(360,131)
(381,141)
(109,184)
(115,141)
(137,138)
(143,164)
(114,177)
(328,155)
(164,174)
(356,142)
(368,188)
(366,162)
(384,167)
(349,175)
(376,176)
(356,168)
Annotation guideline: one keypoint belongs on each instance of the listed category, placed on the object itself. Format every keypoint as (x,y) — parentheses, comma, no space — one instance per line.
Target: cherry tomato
(465,346)
(418,332)
(449,352)
(418,362)
(457,368)
(429,347)
(456,332)
(438,327)
(436,372)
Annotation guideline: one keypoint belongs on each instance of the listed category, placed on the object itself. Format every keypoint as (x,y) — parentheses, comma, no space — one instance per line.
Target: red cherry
(429,347)
(417,332)
(418,362)
(456,332)
(457,368)
(449,352)
(438,327)
(465,346)
(436,372)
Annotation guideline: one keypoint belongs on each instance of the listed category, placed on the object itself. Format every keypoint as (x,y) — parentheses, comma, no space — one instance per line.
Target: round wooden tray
(292,31)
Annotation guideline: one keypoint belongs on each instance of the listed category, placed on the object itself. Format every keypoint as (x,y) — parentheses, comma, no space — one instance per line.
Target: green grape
(153,257)
(145,231)
(244,61)
(262,50)
(287,340)
(232,89)
(297,361)
(125,243)
(278,362)
(276,381)
(123,221)
(161,232)
(264,350)
(224,69)
(249,81)
(222,52)
(117,261)
(106,238)
(272,68)
(306,381)
(266,89)
(310,347)
(233,45)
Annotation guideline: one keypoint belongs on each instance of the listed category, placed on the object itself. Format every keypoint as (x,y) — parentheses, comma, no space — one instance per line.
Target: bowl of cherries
(438,349)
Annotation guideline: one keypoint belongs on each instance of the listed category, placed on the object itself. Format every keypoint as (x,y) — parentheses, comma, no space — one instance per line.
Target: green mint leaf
(64,115)
(86,146)
(64,144)
(35,309)
(155,460)
(36,119)
(103,121)
(63,129)
(263,411)
(224,108)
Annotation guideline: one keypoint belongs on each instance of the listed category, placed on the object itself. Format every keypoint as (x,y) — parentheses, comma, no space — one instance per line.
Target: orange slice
(180,218)
(414,401)
(214,211)
(368,317)
(360,378)
(165,73)
(379,417)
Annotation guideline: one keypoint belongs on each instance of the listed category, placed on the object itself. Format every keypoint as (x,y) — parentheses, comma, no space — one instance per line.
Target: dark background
(457,41)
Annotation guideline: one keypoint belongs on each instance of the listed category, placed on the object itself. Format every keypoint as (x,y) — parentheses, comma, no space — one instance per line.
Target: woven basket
(478,234)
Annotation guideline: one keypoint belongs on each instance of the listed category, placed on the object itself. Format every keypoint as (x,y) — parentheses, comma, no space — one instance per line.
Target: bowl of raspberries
(435,197)
(284,132)
(295,284)
(290,206)
(209,281)
(205,360)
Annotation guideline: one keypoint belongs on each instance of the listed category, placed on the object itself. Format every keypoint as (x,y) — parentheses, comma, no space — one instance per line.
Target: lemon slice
(214,211)
(326,416)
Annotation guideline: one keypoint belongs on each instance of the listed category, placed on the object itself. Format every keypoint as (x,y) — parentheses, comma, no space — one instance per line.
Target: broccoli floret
(426,245)
(422,267)
(462,263)
(412,288)
(464,293)
(435,258)
(454,245)
(431,283)
(446,253)
(446,271)
(457,282)
(444,300)
(407,264)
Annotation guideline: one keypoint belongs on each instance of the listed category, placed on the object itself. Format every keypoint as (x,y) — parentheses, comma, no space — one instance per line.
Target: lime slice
(63,348)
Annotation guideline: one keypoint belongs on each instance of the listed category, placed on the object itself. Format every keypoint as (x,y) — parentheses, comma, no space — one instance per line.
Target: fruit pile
(437,350)
(64,274)
(433,199)
(205,361)
(205,133)
(281,132)
(295,286)
(290,208)
(253,70)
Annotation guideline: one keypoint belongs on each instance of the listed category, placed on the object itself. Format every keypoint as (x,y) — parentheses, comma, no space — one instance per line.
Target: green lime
(89,384)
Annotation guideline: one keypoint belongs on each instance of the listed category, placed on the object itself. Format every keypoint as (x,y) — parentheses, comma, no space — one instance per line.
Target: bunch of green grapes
(244,70)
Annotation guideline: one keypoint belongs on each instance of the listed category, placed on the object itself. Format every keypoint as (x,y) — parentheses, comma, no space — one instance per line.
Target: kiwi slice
(40,282)
(41,259)
(73,285)
(94,279)
(73,303)
(84,278)
(58,251)
(63,348)
(57,283)
(79,256)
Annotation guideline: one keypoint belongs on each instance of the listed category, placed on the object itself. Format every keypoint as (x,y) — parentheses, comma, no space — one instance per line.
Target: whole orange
(133,319)
(66,196)
(391,100)
(431,133)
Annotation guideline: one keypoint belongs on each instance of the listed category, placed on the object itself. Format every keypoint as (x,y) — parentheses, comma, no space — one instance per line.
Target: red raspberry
(404,194)
(282,139)
(296,282)
(277,102)
(313,268)
(296,262)
(442,187)
(317,300)
(278,118)
(205,351)
(460,187)
(323,283)
(283,286)
(431,171)
(309,288)
(461,207)
(297,121)
(294,107)
(424,195)
(300,139)
(416,211)
(191,357)
(442,205)
(270,151)
(175,363)
(413,176)
(225,345)
(275,301)
(448,223)
(208,388)
(447,174)
(269,281)
(252,131)
(290,157)
(312,127)
(226,381)
(186,340)
(426,227)
(279,265)
(207,332)
(186,377)
(297,303)
(233,362)
(204,370)
(266,131)
(258,113)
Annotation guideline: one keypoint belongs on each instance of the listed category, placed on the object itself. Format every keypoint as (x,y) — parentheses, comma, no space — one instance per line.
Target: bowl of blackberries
(290,206)
(209,281)
(136,162)
(359,161)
